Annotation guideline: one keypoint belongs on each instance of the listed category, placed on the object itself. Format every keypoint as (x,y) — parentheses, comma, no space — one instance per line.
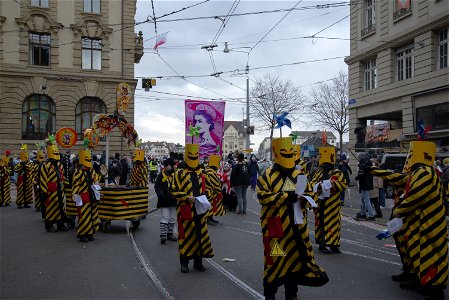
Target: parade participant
(71,211)
(165,201)
(213,186)
(139,172)
(51,184)
(424,224)
(83,195)
(24,179)
(5,182)
(37,166)
(329,183)
(288,253)
(193,237)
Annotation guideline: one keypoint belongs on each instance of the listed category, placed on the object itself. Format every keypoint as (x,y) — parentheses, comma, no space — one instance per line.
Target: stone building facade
(60,64)
(398,68)
(234,137)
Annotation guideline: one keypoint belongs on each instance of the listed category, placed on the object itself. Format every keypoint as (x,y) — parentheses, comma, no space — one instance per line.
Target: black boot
(198,264)
(26,205)
(335,249)
(375,202)
(62,227)
(435,294)
(403,277)
(185,267)
(50,228)
(410,285)
(163,239)
(171,237)
(84,239)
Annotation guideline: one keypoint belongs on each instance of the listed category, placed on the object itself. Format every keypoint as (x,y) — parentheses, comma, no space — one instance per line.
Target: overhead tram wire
(154,20)
(182,9)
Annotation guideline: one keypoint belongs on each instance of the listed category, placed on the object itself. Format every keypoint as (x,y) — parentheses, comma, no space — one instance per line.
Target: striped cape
(5,186)
(51,183)
(24,183)
(213,186)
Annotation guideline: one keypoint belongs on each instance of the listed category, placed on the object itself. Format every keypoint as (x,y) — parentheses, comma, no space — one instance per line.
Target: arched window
(38,117)
(86,109)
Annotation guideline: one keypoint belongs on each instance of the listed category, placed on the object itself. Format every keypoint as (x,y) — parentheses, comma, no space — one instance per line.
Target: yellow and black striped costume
(70,206)
(51,180)
(213,186)
(88,221)
(5,186)
(398,181)
(24,183)
(328,212)
(302,166)
(288,253)
(36,186)
(139,174)
(193,237)
(422,209)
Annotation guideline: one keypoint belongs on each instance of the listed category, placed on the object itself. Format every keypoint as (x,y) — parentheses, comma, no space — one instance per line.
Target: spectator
(240,179)
(115,169)
(125,170)
(263,166)
(374,196)
(253,171)
(365,185)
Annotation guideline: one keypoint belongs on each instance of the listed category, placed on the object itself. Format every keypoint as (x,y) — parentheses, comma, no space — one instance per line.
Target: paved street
(117,265)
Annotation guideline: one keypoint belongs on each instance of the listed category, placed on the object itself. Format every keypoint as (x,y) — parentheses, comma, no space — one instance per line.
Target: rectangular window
(92,6)
(370,74)
(405,63)
(434,115)
(91,54)
(39,53)
(369,17)
(41,3)
(402,8)
(442,48)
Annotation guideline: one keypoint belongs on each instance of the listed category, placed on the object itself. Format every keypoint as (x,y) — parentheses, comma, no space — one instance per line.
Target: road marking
(245,287)
(254,212)
(373,258)
(148,270)
(242,230)
(255,223)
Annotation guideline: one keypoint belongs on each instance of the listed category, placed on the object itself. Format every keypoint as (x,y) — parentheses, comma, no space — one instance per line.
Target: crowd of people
(191,193)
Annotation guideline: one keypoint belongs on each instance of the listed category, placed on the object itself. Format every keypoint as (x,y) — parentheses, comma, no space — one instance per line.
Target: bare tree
(272,96)
(328,107)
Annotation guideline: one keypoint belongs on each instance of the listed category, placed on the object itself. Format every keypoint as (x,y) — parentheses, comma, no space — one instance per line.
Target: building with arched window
(60,64)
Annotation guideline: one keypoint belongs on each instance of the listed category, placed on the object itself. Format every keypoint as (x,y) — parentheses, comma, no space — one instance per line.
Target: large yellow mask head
(214,161)
(40,156)
(139,155)
(85,158)
(191,156)
(53,152)
(327,155)
(422,152)
(283,152)
(3,162)
(297,150)
(24,156)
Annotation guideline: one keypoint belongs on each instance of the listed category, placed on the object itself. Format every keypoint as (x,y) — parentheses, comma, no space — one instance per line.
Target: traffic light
(148,83)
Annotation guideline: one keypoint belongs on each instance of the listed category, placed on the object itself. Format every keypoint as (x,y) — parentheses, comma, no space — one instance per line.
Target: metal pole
(248,146)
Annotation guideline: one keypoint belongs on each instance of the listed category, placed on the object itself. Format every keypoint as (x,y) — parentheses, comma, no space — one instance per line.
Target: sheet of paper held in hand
(394,225)
(202,205)
(299,216)
(301,184)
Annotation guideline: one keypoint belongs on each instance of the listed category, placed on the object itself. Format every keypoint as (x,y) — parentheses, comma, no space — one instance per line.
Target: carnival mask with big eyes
(214,161)
(53,152)
(191,155)
(2,162)
(40,157)
(283,152)
(85,158)
(422,152)
(327,155)
(24,156)
(139,155)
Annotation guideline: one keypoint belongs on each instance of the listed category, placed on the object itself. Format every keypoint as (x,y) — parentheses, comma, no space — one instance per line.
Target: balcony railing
(368,30)
(400,13)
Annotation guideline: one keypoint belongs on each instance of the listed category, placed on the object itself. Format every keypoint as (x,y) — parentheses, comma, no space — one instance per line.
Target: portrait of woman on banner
(204,119)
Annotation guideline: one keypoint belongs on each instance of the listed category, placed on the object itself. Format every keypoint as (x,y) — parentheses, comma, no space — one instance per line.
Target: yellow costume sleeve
(76,182)
(43,179)
(179,181)
(394,179)
(265,188)
(340,184)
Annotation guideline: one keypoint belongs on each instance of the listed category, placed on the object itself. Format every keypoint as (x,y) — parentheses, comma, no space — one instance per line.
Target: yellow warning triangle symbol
(276,249)
(288,186)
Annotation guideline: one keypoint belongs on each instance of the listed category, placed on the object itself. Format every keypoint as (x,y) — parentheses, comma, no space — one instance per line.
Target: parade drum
(123,203)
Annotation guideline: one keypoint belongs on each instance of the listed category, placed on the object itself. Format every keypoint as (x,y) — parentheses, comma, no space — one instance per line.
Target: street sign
(352,101)
(148,83)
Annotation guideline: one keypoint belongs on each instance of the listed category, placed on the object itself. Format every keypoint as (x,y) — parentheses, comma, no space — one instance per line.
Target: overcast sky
(163,119)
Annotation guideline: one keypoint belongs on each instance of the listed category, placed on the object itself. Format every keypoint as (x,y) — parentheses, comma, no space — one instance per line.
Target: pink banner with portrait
(208,117)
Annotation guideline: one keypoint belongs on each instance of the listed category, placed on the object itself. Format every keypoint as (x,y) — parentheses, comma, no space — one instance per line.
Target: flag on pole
(160,40)
(324,137)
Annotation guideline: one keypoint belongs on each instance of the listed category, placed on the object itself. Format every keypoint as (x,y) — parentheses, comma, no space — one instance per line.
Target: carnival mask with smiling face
(283,152)
(191,155)
(53,152)
(3,162)
(40,157)
(422,152)
(139,155)
(24,156)
(327,155)
(297,150)
(214,161)
(85,158)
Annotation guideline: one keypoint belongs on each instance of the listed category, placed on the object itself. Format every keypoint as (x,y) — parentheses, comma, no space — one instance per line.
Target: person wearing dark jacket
(165,201)
(365,185)
(240,178)
(253,171)
(125,170)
